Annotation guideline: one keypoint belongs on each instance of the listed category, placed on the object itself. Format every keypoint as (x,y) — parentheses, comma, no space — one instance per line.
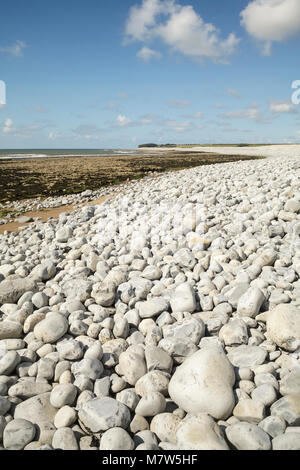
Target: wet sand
(46,214)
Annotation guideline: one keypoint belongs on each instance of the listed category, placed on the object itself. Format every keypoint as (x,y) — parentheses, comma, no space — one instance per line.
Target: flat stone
(247,356)
(288,408)
(288,441)
(25,390)
(10,329)
(200,433)
(247,436)
(101,414)
(12,290)
(152,307)
(249,410)
(52,328)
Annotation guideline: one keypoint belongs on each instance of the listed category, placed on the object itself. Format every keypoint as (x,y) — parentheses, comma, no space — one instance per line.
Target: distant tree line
(151,145)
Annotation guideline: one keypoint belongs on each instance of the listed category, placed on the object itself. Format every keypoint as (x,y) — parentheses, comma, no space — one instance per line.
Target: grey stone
(101,414)
(247,356)
(18,433)
(247,436)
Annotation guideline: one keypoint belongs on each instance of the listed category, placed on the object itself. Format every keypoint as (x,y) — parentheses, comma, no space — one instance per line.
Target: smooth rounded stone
(63,394)
(71,350)
(266,378)
(250,410)
(91,368)
(273,425)
(10,329)
(183,299)
(65,439)
(78,328)
(12,289)
(265,393)
(287,441)
(46,368)
(5,405)
(234,332)
(153,381)
(247,436)
(9,362)
(133,366)
(290,383)
(247,356)
(65,417)
(27,389)
(204,384)
(165,426)
(129,398)
(52,328)
(250,302)
(191,329)
(121,328)
(116,439)
(38,410)
(152,307)
(288,408)
(101,414)
(151,404)
(157,358)
(40,300)
(292,205)
(63,234)
(283,326)
(18,433)
(104,293)
(200,432)
(84,397)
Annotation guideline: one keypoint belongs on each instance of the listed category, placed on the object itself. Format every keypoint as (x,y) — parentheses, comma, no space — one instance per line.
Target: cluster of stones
(165,318)
(38,204)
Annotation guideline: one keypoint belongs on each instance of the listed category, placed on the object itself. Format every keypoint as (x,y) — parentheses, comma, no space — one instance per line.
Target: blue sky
(99,74)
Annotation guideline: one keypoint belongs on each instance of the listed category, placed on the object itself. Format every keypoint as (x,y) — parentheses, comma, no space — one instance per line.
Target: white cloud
(271,20)
(234,93)
(15,49)
(278,107)
(146,54)
(179,27)
(8,126)
(123,120)
(250,112)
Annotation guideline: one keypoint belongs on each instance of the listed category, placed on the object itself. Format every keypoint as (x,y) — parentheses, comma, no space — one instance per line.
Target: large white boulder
(283,326)
(203,384)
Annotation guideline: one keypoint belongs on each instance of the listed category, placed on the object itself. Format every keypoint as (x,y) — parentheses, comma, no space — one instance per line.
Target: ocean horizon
(21,154)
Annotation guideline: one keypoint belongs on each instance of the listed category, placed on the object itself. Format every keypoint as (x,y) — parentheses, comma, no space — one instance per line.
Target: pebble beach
(165,318)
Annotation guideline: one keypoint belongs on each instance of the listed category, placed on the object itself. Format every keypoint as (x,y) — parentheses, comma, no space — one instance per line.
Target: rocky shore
(167,317)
